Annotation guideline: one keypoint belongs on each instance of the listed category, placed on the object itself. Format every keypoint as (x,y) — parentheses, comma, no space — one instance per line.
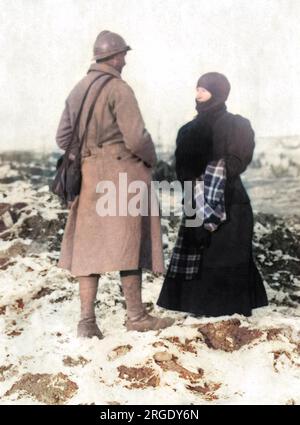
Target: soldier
(115,142)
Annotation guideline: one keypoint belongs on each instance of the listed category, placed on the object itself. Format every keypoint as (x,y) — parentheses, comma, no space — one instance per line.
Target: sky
(46,47)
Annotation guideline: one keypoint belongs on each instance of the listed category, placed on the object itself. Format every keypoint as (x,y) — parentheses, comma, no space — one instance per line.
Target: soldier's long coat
(116,142)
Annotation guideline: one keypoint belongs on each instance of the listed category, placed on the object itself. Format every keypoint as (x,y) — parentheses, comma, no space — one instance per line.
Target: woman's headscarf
(219,87)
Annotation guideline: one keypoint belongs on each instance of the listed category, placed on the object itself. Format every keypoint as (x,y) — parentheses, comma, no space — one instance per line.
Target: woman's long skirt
(228,280)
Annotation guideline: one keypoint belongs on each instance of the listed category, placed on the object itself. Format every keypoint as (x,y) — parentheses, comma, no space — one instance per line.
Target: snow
(47,337)
(273,179)
(247,375)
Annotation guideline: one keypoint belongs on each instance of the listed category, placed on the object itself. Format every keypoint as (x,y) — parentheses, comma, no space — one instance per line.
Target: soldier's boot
(137,317)
(87,326)
(148,323)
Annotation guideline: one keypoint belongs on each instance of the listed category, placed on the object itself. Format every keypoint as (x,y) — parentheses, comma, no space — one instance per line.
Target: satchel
(67,181)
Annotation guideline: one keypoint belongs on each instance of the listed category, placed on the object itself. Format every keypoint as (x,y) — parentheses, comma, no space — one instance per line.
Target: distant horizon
(54,148)
(167,148)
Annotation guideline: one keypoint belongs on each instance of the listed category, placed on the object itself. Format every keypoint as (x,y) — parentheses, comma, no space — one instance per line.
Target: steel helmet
(109,44)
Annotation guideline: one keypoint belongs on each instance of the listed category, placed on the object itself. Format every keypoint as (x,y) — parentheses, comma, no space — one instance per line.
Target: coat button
(118,158)
(100,145)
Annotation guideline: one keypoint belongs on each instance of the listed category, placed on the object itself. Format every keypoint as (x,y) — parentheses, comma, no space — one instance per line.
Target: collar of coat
(103,67)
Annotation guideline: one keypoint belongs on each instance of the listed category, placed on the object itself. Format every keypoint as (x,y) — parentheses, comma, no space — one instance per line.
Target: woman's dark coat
(228,281)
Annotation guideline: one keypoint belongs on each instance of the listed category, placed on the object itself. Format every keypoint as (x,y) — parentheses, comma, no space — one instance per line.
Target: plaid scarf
(210,209)
(209,195)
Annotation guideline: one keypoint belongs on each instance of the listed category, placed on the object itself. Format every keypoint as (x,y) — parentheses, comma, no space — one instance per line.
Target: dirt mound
(228,335)
(46,388)
(173,366)
(139,377)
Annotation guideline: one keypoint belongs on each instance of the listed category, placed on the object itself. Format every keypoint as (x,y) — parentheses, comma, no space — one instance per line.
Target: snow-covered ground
(229,360)
(273,180)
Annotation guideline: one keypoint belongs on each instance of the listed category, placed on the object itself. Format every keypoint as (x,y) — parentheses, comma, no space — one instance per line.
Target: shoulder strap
(92,107)
(76,122)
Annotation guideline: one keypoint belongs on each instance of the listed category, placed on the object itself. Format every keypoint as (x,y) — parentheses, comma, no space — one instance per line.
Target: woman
(226,279)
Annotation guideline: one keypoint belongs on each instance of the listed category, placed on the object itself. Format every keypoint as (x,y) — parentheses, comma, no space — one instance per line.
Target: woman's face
(202,95)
